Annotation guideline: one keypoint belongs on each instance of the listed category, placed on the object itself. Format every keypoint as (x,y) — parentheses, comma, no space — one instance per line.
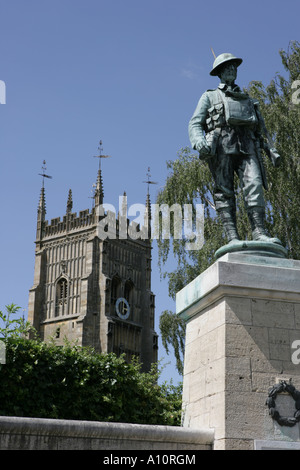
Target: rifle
(268,147)
(273,155)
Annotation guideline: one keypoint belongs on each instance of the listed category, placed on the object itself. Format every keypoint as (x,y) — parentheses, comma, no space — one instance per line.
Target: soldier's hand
(203,147)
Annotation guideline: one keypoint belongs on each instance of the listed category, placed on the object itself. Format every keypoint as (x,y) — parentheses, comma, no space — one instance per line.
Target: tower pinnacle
(42,204)
(99,193)
(69,202)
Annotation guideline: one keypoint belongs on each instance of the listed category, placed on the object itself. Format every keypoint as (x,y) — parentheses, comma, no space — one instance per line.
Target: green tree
(173,333)
(12,327)
(190,182)
(282,117)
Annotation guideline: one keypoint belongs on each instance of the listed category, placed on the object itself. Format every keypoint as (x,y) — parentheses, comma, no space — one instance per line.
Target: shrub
(71,382)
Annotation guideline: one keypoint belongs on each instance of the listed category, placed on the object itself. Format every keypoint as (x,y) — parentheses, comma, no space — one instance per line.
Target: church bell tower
(92,284)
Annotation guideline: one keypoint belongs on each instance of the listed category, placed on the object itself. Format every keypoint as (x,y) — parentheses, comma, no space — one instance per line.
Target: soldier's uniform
(231,122)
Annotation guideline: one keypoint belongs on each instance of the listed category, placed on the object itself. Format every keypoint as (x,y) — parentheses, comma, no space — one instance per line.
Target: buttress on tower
(92,282)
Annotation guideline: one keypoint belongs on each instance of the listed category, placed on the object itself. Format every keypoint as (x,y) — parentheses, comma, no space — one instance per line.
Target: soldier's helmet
(221,60)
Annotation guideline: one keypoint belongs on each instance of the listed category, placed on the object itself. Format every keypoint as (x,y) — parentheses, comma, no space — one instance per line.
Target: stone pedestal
(243,323)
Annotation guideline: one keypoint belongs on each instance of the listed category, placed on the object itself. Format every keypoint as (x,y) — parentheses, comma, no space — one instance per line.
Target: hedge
(70,382)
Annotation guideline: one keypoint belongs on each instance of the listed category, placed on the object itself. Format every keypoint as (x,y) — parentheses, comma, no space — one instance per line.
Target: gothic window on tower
(152,309)
(61,296)
(128,292)
(115,292)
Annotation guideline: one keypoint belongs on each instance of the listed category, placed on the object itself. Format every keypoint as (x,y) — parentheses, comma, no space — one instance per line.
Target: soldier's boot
(257,221)
(228,218)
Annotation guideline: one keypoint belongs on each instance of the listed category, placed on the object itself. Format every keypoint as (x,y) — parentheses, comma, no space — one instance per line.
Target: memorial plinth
(242,320)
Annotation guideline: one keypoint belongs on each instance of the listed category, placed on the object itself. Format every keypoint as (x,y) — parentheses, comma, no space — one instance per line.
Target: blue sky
(127,72)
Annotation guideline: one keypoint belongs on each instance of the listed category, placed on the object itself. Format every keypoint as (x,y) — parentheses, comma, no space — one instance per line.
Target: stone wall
(51,434)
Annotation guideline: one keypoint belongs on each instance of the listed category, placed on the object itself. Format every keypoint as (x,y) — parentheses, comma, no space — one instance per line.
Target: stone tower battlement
(86,218)
(69,222)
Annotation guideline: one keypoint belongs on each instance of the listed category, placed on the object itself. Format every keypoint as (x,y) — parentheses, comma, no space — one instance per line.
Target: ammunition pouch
(216,117)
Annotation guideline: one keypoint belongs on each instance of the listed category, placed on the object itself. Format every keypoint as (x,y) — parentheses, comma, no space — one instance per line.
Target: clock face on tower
(122,308)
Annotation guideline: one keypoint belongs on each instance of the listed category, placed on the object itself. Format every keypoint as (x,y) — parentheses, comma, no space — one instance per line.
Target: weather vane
(44,168)
(148,182)
(100,152)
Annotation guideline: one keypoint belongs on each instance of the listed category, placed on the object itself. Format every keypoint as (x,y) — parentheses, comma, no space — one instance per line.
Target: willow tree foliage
(190,182)
(280,105)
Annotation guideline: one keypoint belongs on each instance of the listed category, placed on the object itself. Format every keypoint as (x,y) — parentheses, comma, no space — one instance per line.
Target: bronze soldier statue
(228,131)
